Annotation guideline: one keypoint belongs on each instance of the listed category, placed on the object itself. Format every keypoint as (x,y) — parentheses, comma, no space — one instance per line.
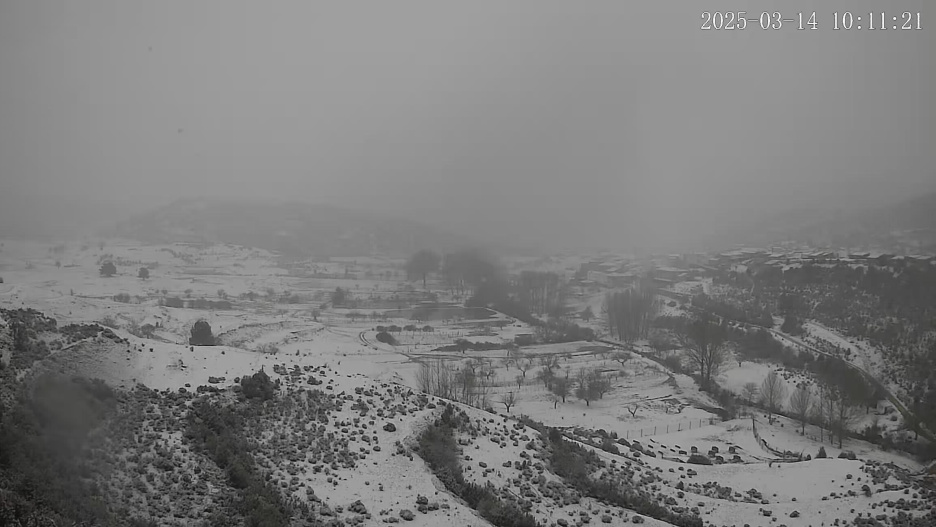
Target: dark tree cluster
(216,430)
(259,386)
(629,313)
(541,292)
(746,310)
(108,269)
(576,464)
(891,303)
(201,334)
(421,264)
(44,429)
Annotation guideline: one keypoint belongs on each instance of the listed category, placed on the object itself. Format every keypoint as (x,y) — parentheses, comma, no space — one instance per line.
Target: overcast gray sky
(577,122)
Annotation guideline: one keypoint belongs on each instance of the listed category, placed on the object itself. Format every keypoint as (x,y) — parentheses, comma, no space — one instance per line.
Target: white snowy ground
(32,280)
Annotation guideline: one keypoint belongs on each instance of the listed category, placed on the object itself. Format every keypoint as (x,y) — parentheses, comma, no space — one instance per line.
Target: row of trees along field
(891,304)
(478,275)
(471,382)
(833,404)
(108,269)
(832,407)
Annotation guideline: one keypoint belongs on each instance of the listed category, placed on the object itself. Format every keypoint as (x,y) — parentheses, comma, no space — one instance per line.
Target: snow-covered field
(661,410)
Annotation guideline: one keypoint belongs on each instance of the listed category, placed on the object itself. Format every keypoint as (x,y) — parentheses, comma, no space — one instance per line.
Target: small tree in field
(587,314)
(801,404)
(560,388)
(621,357)
(523,363)
(509,399)
(585,389)
(599,384)
(143,274)
(774,391)
(108,269)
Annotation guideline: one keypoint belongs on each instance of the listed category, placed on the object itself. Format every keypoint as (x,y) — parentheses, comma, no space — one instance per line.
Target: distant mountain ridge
(292,228)
(906,226)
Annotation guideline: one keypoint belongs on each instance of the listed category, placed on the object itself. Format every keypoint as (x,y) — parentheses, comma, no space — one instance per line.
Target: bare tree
(599,384)
(621,357)
(750,392)
(523,363)
(632,408)
(424,378)
(466,381)
(519,379)
(707,348)
(545,375)
(845,413)
(801,403)
(550,362)
(774,391)
(508,400)
(820,412)
(585,390)
(436,378)
(560,388)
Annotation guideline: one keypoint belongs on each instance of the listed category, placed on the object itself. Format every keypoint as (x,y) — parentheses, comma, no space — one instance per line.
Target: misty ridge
(513,264)
(552,129)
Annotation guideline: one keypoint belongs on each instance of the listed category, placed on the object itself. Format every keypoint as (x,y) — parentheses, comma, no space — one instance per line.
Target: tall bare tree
(845,412)
(773,391)
(541,292)
(820,409)
(707,347)
(801,404)
(508,399)
(629,313)
(436,378)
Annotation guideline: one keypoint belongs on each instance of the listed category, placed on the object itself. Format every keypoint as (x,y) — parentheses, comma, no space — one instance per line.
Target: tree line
(629,313)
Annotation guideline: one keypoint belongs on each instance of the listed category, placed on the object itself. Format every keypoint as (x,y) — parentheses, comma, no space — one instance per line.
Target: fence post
(679,427)
(654,430)
(667,429)
(690,425)
(641,432)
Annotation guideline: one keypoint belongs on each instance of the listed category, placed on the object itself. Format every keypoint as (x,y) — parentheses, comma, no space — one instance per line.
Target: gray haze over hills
(553,124)
(291,228)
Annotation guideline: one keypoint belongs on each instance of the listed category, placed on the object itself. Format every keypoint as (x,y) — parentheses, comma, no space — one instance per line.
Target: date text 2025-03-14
(837,20)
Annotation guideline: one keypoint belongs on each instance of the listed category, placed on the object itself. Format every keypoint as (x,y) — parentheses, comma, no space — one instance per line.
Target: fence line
(669,428)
